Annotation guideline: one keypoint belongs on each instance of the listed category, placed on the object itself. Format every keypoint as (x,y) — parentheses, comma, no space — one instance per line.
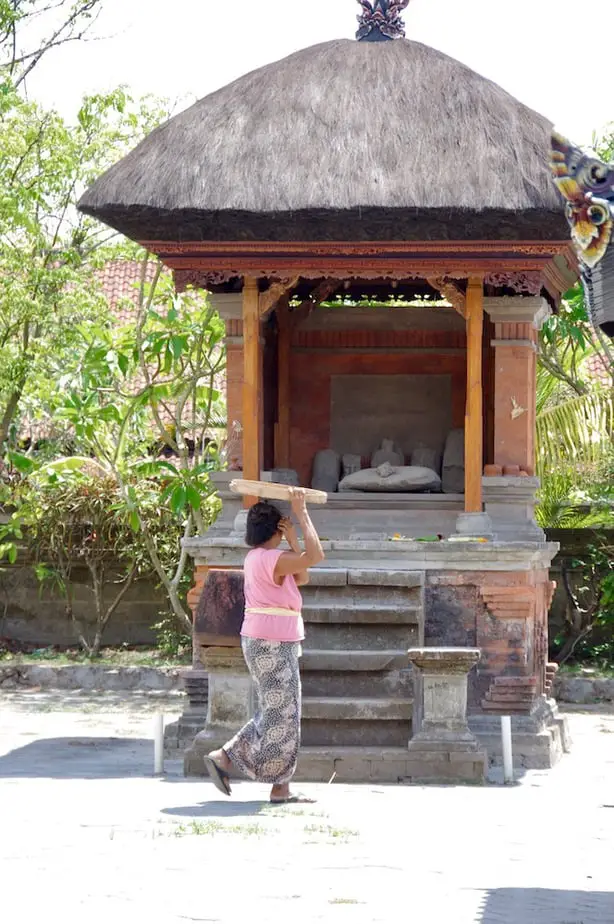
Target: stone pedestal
(539,738)
(229,707)
(474,524)
(510,503)
(180,734)
(443,749)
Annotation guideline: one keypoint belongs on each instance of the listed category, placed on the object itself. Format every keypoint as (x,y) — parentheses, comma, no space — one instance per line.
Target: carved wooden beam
(319,295)
(450,292)
(277,290)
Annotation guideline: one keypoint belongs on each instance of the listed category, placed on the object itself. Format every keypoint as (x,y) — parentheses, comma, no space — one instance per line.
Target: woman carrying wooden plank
(266,748)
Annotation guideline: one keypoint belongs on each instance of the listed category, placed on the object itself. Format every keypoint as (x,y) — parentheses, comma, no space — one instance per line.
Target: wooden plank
(272,490)
(282,446)
(474,428)
(252,366)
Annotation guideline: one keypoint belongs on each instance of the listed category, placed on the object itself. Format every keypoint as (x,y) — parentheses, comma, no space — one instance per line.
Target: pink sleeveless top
(262,594)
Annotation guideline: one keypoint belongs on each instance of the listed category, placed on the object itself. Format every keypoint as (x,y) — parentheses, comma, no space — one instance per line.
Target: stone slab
(384,578)
(328,660)
(328,577)
(339,709)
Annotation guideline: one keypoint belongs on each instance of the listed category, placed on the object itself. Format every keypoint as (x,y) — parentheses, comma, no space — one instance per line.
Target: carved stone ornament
(380,20)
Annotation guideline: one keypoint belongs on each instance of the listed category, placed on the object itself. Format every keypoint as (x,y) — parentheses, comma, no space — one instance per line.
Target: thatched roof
(332,137)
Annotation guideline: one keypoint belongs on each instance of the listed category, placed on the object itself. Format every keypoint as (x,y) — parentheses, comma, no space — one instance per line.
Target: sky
(550,54)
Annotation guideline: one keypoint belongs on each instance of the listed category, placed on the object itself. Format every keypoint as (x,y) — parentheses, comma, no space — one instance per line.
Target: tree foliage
(154,381)
(49,252)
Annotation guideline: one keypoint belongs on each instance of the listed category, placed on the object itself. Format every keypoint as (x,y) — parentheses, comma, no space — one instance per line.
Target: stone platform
(372,601)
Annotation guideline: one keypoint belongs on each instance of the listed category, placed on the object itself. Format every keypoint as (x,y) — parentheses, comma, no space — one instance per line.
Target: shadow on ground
(80,758)
(547,906)
(217,809)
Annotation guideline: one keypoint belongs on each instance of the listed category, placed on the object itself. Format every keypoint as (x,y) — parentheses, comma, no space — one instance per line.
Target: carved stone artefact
(453,466)
(350,464)
(392,479)
(326,471)
(387,452)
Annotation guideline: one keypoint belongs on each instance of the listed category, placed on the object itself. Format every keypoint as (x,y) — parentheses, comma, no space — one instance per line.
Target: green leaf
(22,463)
(193,497)
(178,499)
(178,346)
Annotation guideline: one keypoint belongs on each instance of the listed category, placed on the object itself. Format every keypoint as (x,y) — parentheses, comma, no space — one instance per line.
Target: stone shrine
(383,271)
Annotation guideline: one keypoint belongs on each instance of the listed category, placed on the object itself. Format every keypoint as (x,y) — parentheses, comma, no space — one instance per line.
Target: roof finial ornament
(380,20)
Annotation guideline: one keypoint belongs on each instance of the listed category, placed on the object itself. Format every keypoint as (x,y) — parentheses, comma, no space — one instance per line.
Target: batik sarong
(266,749)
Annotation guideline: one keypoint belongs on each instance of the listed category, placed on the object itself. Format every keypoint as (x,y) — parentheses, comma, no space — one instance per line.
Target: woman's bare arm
(297,562)
(289,530)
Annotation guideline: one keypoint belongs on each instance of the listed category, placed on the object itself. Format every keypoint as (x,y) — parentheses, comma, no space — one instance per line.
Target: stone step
(346,708)
(365,577)
(356,732)
(352,764)
(350,721)
(379,613)
(361,636)
(319,659)
(361,684)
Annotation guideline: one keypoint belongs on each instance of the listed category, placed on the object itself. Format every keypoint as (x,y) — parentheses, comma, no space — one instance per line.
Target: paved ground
(87,835)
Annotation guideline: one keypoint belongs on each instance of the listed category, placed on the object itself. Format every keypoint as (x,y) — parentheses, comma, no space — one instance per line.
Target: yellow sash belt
(270,611)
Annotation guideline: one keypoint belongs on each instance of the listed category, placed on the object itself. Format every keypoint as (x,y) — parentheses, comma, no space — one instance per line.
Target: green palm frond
(578,430)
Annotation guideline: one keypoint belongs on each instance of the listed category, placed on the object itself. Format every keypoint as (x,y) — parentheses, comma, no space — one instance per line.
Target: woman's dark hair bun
(262,523)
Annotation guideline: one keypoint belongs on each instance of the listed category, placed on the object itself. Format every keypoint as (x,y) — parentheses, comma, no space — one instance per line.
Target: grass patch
(109,657)
(291,811)
(331,832)
(210,828)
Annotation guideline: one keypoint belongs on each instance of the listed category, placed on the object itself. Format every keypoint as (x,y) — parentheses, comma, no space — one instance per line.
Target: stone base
(510,502)
(474,524)
(230,705)
(446,762)
(209,739)
(539,740)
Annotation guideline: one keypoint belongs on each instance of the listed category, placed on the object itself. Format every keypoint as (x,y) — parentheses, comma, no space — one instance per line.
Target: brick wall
(320,355)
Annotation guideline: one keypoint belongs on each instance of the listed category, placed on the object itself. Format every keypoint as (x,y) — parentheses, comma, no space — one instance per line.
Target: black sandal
(220,778)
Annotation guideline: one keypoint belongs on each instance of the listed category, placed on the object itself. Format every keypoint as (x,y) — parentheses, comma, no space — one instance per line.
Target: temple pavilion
(378,227)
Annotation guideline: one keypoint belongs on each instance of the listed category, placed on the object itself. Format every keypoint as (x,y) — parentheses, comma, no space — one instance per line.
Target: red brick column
(517,322)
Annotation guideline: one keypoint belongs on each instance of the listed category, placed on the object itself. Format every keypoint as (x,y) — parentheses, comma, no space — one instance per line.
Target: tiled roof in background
(120,282)
(599,371)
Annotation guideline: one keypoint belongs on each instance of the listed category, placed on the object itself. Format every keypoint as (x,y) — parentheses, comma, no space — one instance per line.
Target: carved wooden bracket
(450,291)
(267,300)
(319,295)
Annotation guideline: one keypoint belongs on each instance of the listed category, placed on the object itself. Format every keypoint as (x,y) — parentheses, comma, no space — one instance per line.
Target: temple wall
(316,381)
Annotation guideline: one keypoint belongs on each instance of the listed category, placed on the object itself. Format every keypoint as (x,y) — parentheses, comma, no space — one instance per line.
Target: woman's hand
(288,531)
(298,502)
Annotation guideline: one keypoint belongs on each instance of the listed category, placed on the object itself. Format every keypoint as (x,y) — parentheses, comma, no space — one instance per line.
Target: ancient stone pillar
(443,749)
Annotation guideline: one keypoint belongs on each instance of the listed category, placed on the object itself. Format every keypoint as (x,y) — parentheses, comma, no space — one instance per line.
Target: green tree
(49,252)
(155,380)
